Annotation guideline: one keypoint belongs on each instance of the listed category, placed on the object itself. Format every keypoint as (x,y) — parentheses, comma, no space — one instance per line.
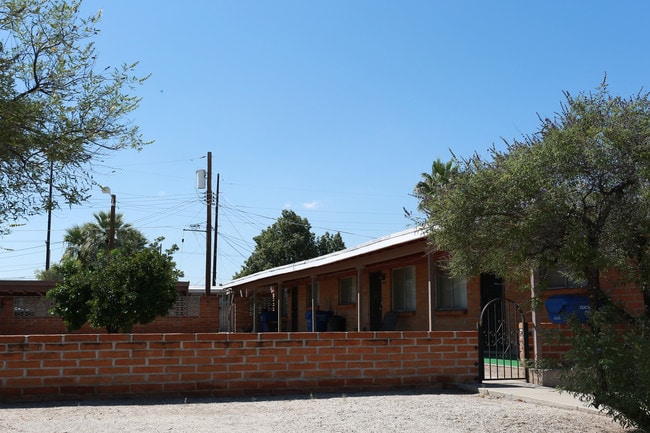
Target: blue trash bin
(322,318)
(268,321)
(561,307)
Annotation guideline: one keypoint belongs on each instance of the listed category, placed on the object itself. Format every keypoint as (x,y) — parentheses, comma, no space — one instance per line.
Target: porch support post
(255,309)
(313,304)
(278,306)
(537,346)
(430,275)
(232,319)
(359,291)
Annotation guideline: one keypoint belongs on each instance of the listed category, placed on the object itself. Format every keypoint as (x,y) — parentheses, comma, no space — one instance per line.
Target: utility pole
(208,226)
(111,232)
(216,229)
(49,220)
(111,236)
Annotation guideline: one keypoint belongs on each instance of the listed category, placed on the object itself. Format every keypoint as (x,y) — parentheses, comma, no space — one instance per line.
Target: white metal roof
(392,240)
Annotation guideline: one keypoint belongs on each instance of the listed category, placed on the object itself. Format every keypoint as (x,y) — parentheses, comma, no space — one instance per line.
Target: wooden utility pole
(216,229)
(111,233)
(208,226)
(49,220)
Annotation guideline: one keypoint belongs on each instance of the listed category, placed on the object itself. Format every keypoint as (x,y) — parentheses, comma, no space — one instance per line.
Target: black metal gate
(503,341)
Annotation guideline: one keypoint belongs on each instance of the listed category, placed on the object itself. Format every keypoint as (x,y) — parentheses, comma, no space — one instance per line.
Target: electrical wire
(154,212)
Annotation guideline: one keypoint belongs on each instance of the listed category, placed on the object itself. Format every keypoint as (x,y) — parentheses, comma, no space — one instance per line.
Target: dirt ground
(385,412)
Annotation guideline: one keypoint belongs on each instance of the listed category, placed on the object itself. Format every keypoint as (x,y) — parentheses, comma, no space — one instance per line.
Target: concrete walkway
(521,391)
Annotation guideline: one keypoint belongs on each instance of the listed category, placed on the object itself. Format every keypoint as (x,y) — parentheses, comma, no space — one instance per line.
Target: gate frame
(522,329)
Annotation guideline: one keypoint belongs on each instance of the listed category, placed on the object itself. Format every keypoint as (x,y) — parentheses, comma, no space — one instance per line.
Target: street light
(111,233)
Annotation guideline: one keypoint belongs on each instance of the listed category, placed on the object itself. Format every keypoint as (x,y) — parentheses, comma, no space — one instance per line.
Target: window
(403,282)
(32,306)
(559,279)
(316,295)
(348,290)
(451,292)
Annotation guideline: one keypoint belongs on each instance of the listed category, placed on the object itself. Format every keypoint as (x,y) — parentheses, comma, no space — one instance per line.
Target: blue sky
(329,108)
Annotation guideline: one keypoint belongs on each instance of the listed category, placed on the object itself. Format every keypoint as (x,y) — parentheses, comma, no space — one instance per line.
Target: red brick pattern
(556,340)
(73,366)
(206,321)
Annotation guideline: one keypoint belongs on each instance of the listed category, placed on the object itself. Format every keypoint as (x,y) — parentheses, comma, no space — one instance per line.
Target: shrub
(608,366)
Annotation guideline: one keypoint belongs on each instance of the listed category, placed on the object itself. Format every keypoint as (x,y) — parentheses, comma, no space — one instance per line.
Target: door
(491,288)
(375,306)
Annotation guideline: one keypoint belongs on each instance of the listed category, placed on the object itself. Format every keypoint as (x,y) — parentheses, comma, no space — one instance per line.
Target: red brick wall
(555,340)
(39,367)
(243,318)
(206,321)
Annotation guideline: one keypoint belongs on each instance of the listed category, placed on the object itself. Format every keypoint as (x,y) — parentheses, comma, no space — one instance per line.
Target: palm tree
(74,239)
(431,183)
(86,241)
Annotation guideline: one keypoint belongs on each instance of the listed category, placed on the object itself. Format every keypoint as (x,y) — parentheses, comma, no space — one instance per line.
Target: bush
(608,366)
(120,290)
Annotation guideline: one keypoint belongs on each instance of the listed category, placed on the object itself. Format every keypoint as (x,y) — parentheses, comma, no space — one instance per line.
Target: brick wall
(206,321)
(76,366)
(555,340)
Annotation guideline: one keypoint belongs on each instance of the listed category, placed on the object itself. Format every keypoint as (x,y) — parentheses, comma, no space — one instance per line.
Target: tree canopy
(112,288)
(286,241)
(329,243)
(59,110)
(574,196)
(86,241)
(441,174)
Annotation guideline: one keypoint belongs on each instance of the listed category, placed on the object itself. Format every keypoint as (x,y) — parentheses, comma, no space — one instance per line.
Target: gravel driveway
(386,412)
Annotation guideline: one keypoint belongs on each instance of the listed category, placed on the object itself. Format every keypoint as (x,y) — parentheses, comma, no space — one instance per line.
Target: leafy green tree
(73,294)
(122,288)
(329,243)
(288,240)
(112,288)
(59,109)
(575,195)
